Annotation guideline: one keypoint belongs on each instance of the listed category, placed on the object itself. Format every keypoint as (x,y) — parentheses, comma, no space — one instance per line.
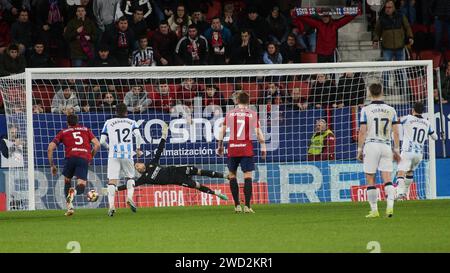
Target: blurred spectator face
(271,49)
(164,28)
(111,89)
(296,93)
(210,91)
(13,54)
(136,90)
(321,78)
(103,54)
(389,8)
(138,16)
(349,75)
(13,133)
(197,16)
(291,41)
(188,84)
(272,88)
(67,92)
(326,19)
(245,36)
(81,13)
(192,32)
(228,13)
(143,43)
(37,108)
(275,13)
(321,125)
(84,2)
(96,88)
(252,16)
(180,11)
(215,24)
(123,25)
(109,98)
(163,89)
(23,17)
(39,48)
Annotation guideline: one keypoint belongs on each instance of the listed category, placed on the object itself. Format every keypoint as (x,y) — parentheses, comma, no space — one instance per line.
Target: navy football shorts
(246,163)
(76,166)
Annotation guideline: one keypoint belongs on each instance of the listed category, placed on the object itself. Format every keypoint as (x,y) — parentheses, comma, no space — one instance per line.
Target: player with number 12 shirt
(77,140)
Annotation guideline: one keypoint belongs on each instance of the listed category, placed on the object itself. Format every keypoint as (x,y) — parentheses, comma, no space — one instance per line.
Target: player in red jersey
(77,140)
(241,121)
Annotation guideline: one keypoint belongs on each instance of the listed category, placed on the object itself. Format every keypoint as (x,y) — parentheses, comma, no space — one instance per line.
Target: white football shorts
(377,156)
(409,161)
(120,167)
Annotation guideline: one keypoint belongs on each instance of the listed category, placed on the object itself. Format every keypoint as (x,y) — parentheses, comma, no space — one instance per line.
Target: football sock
(79,189)
(372,197)
(248,191)
(211,174)
(66,189)
(408,182)
(389,190)
(111,193)
(235,190)
(205,189)
(130,189)
(401,185)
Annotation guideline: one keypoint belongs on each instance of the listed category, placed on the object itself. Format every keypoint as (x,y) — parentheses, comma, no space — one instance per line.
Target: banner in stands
(327,11)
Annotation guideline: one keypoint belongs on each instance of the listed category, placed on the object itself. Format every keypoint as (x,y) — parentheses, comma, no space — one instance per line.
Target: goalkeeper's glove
(165,130)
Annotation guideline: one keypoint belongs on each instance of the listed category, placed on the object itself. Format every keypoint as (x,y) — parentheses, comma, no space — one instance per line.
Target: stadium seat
(226,89)
(436,56)
(308,57)
(63,63)
(45,93)
(252,89)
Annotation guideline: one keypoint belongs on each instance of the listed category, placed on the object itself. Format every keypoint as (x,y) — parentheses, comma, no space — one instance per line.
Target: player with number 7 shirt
(77,140)
(241,121)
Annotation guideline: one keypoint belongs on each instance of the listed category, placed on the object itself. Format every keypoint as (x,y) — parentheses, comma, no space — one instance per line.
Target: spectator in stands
(212,96)
(80,34)
(327,29)
(256,24)
(21,32)
(272,55)
(297,101)
(137,23)
(180,21)
(12,7)
(65,101)
(121,39)
(193,48)
(164,42)
(39,56)
(136,99)
(167,7)
(272,95)
(198,20)
(290,51)
(72,5)
(229,19)
(38,107)
(162,99)
(407,8)
(143,56)
(92,99)
(109,103)
(187,91)
(219,39)
(103,58)
(441,13)
(323,93)
(104,12)
(278,26)
(322,145)
(352,89)
(393,29)
(12,62)
(246,49)
(49,17)
(148,9)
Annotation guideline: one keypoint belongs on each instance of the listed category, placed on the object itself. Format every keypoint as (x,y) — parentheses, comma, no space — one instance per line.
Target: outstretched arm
(161,146)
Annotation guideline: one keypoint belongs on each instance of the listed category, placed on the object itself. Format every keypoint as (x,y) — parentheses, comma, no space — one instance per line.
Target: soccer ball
(92,196)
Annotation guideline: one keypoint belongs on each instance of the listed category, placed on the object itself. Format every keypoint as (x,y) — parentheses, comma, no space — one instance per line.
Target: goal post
(290,100)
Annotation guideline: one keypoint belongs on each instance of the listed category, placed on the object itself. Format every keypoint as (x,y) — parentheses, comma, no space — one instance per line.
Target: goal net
(308,112)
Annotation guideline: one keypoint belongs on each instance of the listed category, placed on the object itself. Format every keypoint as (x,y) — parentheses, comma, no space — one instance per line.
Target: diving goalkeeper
(154,174)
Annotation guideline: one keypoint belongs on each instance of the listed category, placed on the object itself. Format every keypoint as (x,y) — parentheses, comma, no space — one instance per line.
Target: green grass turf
(417,226)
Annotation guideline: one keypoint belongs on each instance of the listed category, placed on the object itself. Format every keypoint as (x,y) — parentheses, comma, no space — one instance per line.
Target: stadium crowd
(102,33)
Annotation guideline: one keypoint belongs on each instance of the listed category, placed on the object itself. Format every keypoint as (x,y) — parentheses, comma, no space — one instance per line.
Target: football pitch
(417,226)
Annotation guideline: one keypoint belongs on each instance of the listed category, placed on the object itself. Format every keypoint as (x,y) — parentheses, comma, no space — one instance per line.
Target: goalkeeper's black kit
(178,175)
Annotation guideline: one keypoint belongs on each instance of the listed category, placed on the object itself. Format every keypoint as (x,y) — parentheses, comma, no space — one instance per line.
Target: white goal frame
(229,71)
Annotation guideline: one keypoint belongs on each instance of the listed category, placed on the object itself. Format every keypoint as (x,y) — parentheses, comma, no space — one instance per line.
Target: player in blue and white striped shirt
(119,132)
(415,131)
